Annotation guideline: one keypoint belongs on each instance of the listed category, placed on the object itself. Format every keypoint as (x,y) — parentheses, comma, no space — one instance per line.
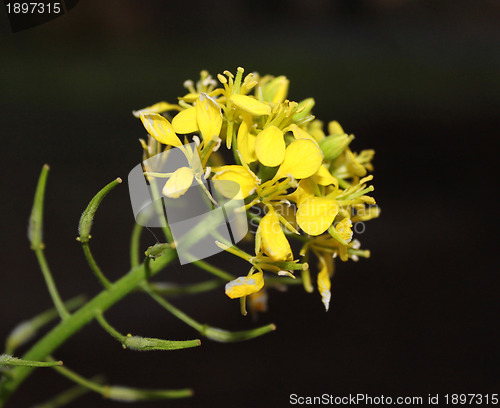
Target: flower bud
(333,145)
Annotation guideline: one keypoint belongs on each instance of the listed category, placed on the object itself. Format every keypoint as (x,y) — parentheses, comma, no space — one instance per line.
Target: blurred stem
(26,330)
(68,396)
(123,394)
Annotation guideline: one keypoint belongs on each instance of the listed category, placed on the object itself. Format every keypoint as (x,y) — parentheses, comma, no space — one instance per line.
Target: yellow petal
(178,183)
(245,178)
(302,159)
(208,117)
(160,128)
(246,143)
(274,242)
(316,214)
(185,121)
(270,146)
(159,107)
(245,285)
(324,178)
(324,283)
(299,133)
(250,105)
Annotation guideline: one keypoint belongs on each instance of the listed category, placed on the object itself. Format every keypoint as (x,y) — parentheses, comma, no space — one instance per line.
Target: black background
(418,81)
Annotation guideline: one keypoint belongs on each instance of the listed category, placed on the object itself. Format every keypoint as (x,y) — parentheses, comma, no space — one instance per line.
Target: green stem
(172,289)
(214,270)
(49,280)
(95,268)
(6,360)
(172,309)
(35,235)
(158,203)
(138,343)
(212,333)
(135,241)
(66,328)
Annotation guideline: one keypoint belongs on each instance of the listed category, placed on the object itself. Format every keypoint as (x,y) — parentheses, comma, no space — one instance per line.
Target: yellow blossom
(301,171)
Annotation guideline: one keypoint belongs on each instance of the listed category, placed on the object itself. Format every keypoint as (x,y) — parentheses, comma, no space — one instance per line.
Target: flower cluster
(299,182)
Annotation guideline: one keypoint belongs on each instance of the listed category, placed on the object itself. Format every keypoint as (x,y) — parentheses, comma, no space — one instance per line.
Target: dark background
(419,81)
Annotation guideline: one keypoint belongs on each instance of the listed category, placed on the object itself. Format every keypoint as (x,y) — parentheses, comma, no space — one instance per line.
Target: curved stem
(95,268)
(66,328)
(49,280)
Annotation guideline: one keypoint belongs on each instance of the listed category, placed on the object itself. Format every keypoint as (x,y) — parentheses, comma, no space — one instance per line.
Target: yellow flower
(273,240)
(244,177)
(245,285)
(307,178)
